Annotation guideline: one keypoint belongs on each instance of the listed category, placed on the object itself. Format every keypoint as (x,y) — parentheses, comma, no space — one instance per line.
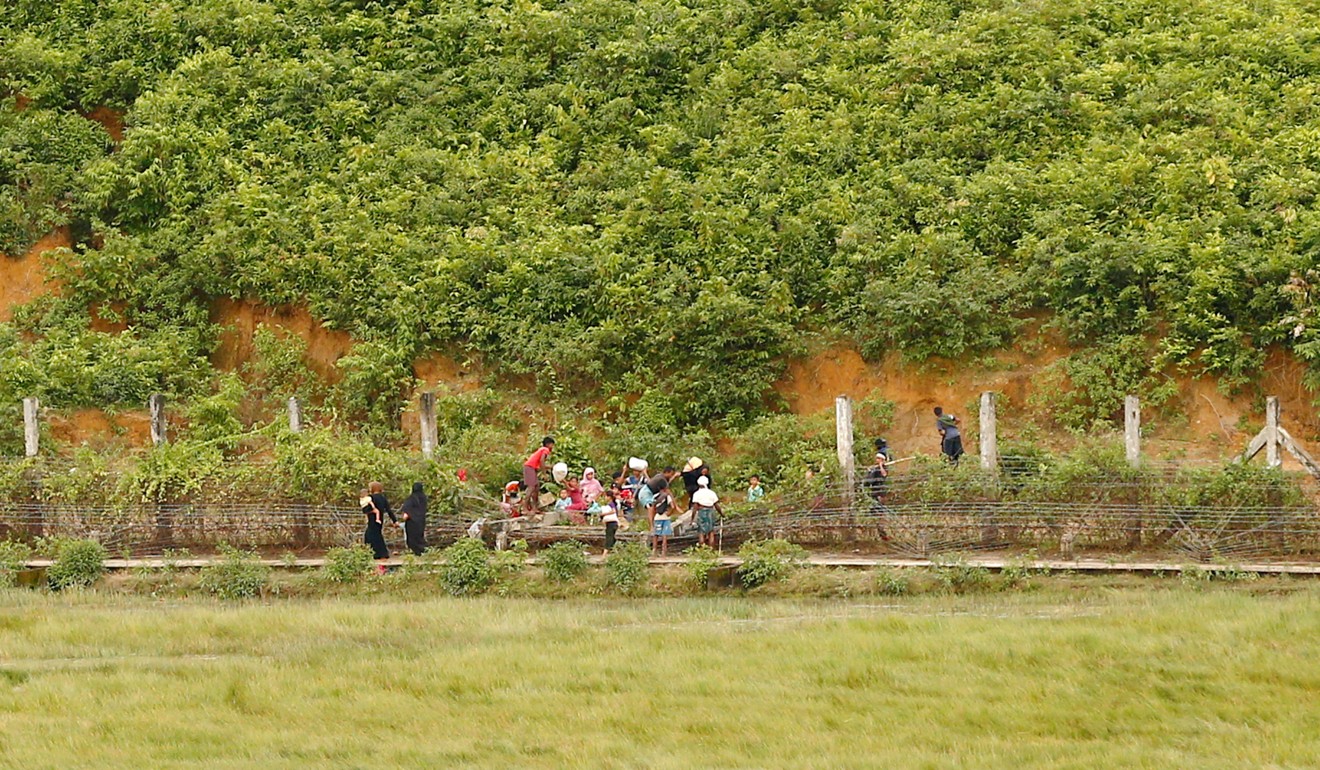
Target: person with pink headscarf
(591,486)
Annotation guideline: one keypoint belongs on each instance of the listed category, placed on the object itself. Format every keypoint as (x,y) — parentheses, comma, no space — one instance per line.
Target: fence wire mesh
(928,512)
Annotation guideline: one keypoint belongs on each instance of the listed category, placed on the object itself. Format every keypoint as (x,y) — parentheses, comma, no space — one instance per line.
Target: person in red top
(531,481)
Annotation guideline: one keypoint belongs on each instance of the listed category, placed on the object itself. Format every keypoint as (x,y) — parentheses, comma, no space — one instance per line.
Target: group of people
(411,518)
(632,494)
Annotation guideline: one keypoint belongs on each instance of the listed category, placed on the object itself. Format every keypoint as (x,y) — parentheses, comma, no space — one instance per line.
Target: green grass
(1067,676)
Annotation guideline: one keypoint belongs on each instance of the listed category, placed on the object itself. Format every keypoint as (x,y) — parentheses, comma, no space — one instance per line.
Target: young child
(754,489)
(561,505)
(509,500)
(707,505)
(609,516)
(662,528)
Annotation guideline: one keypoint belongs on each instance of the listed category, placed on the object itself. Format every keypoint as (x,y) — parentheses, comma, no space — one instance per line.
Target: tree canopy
(627,196)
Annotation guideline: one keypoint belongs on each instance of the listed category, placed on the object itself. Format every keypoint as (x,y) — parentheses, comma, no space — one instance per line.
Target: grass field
(1157,677)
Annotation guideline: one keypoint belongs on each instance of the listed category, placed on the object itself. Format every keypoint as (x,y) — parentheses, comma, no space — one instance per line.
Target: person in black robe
(414,519)
(376,509)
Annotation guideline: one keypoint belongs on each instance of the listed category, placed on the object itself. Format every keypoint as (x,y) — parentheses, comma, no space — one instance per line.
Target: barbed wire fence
(931,512)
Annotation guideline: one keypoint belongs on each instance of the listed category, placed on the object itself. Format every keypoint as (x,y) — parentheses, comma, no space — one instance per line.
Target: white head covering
(703,481)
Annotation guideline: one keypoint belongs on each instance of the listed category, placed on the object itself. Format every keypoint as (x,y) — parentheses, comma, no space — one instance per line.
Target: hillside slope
(656,198)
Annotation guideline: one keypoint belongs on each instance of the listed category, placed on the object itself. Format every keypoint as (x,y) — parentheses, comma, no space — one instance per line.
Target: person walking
(708,510)
(376,507)
(609,516)
(413,512)
(531,475)
(876,485)
(951,437)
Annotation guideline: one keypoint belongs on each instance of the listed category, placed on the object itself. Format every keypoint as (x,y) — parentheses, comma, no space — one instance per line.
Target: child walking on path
(609,516)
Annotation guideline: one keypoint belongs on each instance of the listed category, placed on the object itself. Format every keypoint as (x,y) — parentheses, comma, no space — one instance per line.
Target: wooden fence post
(158,428)
(843,436)
(1132,430)
(295,415)
(989,433)
(31,429)
(1272,432)
(430,434)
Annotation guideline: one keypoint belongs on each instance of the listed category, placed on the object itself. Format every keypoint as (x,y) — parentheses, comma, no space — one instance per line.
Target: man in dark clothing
(876,485)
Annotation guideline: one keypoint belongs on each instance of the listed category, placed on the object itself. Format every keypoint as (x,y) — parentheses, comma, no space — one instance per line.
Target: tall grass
(1214,678)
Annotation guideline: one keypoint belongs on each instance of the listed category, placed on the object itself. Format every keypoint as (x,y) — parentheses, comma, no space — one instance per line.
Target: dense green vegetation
(651,197)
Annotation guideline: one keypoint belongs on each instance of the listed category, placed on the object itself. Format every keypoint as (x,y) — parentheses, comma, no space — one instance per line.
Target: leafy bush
(13,555)
(733,199)
(627,566)
(78,564)
(564,561)
(765,561)
(956,575)
(347,565)
(891,582)
(467,569)
(238,575)
(702,559)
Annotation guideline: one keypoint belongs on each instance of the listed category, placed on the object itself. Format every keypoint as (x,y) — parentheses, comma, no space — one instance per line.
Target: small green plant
(890,582)
(958,576)
(702,559)
(170,558)
(1235,574)
(1195,576)
(238,575)
(627,567)
(765,561)
(78,564)
(511,560)
(564,561)
(467,569)
(347,565)
(13,555)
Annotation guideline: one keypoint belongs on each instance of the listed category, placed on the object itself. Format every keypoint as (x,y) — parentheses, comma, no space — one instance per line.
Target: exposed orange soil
(93,426)
(1200,423)
(240,319)
(24,278)
(110,119)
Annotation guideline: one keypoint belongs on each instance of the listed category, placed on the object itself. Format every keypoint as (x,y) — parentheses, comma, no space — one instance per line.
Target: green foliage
(1088,387)
(238,575)
(77,564)
(564,561)
(347,565)
(890,582)
(628,197)
(467,569)
(278,368)
(957,576)
(627,567)
(701,561)
(13,555)
(767,561)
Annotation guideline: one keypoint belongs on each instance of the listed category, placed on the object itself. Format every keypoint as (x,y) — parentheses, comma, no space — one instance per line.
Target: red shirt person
(531,481)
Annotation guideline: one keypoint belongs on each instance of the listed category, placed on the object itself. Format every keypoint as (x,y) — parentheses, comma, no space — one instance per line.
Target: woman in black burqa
(414,519)
(376,507)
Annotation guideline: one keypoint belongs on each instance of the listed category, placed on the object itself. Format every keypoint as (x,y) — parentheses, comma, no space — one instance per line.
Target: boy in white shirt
(707,504)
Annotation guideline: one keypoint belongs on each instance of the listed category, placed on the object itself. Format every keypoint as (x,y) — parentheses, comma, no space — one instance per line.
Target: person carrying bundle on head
(950,436)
